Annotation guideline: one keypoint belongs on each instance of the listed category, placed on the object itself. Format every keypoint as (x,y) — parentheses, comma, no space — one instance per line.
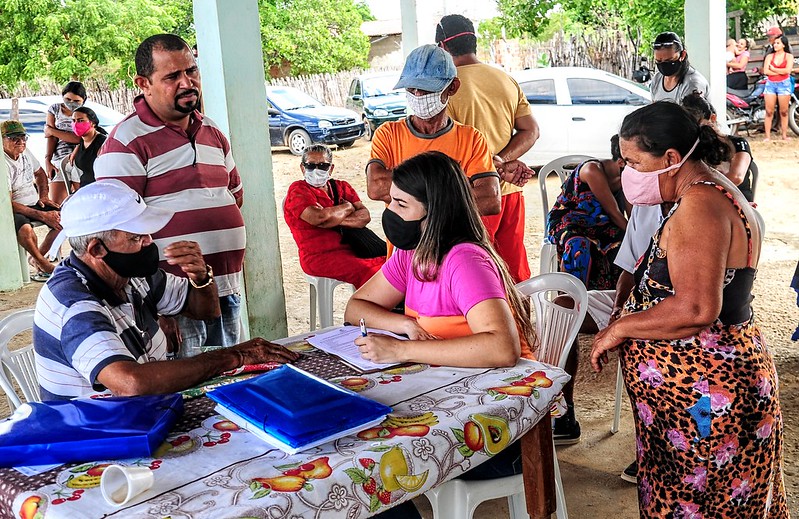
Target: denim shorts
(780,88)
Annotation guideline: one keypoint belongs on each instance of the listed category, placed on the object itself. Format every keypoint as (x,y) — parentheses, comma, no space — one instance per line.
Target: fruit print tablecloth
(444,422)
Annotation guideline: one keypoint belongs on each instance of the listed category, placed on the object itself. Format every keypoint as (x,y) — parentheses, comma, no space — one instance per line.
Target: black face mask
(669,68)
(133,265)
(403,234)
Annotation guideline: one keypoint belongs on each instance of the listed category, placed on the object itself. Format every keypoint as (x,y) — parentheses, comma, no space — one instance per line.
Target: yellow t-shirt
(396,141)
(491,101)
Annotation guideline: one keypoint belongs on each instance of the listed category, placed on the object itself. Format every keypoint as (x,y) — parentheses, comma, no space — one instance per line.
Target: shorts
(780,88)
(20,219)
(63,169)
(600,306)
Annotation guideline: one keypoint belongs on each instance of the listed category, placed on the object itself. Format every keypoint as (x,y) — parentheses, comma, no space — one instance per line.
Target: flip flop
(41,277)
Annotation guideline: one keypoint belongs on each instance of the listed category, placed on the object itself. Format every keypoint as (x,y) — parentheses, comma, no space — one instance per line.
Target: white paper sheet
(340,342)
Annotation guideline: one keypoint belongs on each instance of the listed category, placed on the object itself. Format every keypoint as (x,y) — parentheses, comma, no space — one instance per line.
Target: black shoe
(630,474)
(567,428)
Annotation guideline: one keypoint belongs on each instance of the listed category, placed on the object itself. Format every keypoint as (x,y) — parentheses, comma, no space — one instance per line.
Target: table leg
(538,470)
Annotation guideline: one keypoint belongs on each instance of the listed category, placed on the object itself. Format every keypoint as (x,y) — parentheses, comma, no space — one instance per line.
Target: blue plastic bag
(87,429)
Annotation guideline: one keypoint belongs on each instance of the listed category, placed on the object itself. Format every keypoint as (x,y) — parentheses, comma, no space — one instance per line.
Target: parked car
(297,120)
(33,115)
(577,109)
(374,97)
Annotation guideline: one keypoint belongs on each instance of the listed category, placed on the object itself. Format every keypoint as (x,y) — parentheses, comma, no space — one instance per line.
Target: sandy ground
(590,469)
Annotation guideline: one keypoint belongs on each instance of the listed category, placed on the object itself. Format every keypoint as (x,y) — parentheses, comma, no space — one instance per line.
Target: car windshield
(292,99)
(380,86)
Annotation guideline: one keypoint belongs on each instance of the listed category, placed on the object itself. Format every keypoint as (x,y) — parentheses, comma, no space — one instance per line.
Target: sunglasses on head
(324,166)
(666,44)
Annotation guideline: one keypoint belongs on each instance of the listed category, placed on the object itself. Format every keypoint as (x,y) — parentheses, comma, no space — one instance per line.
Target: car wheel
(298,141)
(367,130)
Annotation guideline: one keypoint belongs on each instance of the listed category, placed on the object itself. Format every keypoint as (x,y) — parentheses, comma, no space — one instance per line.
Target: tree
(649,17)
(312,36)
(74,39)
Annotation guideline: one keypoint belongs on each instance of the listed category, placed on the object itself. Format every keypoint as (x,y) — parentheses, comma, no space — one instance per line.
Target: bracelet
(209,273)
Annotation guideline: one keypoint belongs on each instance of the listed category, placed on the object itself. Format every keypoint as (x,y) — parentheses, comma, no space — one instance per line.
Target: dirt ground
(590,469)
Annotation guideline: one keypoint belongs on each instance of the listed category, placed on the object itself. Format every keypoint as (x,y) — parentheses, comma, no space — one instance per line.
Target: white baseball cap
(110,205)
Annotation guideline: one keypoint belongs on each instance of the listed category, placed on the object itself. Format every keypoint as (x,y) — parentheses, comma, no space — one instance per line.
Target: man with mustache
(177,159)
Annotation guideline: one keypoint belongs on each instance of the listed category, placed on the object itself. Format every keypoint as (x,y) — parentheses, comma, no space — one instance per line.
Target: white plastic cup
(120,484)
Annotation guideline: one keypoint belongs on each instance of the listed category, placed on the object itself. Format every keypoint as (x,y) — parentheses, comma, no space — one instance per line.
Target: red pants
(506,232)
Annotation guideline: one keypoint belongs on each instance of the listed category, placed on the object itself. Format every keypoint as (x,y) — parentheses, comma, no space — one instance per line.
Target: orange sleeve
(382,145)
(479,160)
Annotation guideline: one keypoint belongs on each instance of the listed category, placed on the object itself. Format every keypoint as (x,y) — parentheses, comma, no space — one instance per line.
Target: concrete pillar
(410,27)
(705,34)
(234,93)
(10,274)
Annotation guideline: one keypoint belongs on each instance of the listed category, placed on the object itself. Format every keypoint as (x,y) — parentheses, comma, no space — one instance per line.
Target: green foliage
(74,39)
(537,18)
(364,11)
(312,36)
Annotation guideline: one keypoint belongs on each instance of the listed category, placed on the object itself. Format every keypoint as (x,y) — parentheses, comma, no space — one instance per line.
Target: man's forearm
(378,182)
(203,303)
(519,144)
(24,210)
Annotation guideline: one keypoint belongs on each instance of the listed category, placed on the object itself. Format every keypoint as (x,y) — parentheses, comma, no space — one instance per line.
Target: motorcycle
(746,109)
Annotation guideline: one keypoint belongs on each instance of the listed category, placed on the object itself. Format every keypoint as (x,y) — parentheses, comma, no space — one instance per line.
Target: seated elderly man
(30,199)
(96,321)
(317,210)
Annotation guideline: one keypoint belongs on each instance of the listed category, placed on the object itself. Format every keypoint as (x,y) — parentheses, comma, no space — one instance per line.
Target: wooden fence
(608,50)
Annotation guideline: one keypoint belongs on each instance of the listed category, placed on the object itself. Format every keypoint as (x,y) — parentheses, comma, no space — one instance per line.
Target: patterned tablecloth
(444,422)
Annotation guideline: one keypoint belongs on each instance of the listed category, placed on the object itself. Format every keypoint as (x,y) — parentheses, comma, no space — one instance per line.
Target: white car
(33,114)
(577,109)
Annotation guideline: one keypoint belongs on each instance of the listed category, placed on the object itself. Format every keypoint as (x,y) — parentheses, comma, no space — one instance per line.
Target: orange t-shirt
(396,141)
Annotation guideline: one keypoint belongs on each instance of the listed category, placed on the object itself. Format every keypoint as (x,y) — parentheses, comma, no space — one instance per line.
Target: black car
(373,96)
(297,120)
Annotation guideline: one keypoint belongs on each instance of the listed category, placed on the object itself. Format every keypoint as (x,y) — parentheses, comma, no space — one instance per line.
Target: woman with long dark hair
(456,288)
(700,377)
(777,67)
(86,125)
(461,307)
(675,77)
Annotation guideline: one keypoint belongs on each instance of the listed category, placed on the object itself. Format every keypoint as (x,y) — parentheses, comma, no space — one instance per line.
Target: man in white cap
(430,78)
(96,322)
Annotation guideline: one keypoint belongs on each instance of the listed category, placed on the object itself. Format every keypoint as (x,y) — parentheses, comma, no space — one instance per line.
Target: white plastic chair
(557,328)
(18,365)
(548,259)
(322,297)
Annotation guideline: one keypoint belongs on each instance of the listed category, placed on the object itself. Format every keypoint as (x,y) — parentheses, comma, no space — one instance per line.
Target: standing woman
(86,125)
(777,67)
(736,67)
(699,374)
(61,140)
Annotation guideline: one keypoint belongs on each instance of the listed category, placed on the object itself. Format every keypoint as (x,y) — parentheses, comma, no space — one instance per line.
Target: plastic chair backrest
(562,167)
(556,326)
(19,364)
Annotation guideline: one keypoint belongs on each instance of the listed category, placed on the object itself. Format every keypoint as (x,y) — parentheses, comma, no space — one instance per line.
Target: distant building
(385,38)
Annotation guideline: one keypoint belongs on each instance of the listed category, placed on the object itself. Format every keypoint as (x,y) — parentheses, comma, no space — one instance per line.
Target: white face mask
(317,177)
(426,106)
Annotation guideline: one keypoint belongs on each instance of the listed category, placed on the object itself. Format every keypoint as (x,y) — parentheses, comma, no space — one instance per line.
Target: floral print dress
(586,238)
(706,408)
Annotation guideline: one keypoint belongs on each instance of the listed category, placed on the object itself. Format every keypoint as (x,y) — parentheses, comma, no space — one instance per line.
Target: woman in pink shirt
(461,307)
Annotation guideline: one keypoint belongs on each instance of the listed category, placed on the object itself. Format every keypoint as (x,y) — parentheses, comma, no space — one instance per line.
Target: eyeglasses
(17,139)
(666,44)
(324,166)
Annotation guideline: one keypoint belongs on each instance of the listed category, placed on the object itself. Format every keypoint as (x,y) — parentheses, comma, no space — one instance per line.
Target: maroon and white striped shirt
(189,172)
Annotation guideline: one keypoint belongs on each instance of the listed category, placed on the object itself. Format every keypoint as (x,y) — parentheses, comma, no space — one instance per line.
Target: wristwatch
(209,277)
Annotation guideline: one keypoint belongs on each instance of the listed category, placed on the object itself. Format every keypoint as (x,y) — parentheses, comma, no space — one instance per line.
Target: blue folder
(296,408)
(87,429)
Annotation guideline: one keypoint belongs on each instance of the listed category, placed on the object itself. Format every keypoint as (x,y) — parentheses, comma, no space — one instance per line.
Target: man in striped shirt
(96,322)
(177,159)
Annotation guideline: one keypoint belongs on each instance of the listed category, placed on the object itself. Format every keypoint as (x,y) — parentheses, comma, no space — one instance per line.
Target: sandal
(40,276)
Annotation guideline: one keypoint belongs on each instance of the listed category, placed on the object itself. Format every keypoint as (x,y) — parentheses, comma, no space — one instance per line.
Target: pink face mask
(80,128)
(643,187)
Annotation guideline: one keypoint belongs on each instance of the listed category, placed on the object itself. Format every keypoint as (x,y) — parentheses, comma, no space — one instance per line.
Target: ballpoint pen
(363,328)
